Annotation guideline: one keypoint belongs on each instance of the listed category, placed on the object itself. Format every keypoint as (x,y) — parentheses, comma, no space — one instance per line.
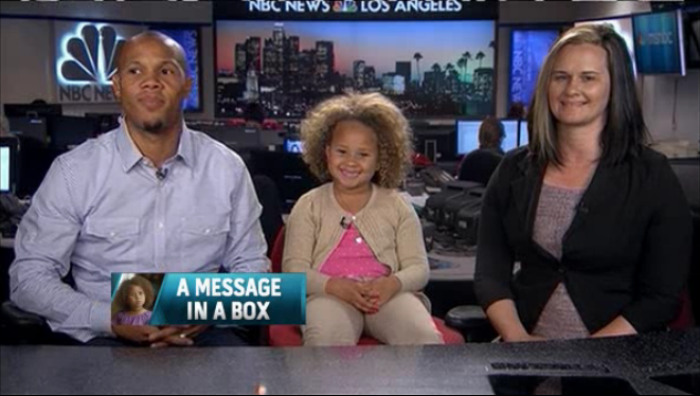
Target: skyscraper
(253,52)
(291,65)
(358,73)
(271,65)
(241,61)
(404,69)
(370,77)
(307,74)
(325,63)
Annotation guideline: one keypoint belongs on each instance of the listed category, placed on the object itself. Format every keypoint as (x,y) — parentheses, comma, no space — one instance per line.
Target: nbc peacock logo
(89,55)
(345,6)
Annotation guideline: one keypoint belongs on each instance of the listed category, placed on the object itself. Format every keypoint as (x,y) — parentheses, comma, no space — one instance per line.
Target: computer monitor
(30,127)
(510,142)
(467,136)
(523,136)
(659,43)
(69,132)
(8,165)
(293,146)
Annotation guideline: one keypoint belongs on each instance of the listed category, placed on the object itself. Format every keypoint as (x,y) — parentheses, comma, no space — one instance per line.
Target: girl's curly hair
(121,299)
(394,136)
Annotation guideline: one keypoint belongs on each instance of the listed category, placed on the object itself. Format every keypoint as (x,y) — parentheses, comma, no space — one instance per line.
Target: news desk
(613,366)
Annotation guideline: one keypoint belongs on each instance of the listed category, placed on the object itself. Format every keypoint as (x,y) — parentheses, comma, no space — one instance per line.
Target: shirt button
(112,234)
(161,225)
(207,231)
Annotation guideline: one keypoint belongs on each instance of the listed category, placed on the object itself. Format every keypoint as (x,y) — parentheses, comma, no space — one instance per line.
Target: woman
(598,220)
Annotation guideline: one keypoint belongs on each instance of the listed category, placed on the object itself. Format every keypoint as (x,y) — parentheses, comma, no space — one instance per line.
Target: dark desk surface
(360,370)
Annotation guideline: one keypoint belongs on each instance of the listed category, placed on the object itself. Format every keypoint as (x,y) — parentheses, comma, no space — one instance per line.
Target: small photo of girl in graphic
(133,302)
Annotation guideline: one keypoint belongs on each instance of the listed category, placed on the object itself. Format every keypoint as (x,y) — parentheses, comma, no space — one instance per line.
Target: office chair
(472,322)
(289,336)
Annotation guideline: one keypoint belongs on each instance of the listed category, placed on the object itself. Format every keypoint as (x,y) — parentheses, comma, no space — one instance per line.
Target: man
(480,164)
(150,196)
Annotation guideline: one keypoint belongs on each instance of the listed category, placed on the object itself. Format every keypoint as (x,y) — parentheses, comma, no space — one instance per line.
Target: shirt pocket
(203,239)
(113,239)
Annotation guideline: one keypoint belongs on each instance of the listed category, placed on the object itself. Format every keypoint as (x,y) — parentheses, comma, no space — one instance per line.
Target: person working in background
(517,111)
(254,115)
(597,219)
(480,164)
(150,196)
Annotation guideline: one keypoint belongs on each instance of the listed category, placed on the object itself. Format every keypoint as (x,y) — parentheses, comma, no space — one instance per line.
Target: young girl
(133,299)
(358,241)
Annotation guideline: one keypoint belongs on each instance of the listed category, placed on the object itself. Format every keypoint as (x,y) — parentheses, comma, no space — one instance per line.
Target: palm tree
(467,56)
(461,63)
(452,76)
(480,57)
(417,56)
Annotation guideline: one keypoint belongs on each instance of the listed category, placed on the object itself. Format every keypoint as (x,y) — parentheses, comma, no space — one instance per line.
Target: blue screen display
(188,38)
(510,142)
(468,135)
(524,139)
(527,52)
(293,146)
(658,43)
(4,169)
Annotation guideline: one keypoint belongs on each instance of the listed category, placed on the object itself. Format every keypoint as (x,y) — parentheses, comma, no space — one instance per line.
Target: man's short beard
(154,127)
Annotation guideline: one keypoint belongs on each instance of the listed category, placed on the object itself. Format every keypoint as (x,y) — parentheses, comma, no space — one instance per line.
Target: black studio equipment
(29,160)
(68,132)
(245,138)
(287,170)
(434,140)
(466,221)
(436,204)
(470,198)
(32,110)
(104,122)
(241,139)
(35,128)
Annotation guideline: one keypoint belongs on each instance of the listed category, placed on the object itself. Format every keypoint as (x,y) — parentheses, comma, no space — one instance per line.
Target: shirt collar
(131,155)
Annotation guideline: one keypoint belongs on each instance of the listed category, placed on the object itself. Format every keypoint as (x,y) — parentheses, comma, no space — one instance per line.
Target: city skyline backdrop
(379,44)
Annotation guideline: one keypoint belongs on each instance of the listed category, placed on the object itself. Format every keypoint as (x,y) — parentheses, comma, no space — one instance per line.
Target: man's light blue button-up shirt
(103,209)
